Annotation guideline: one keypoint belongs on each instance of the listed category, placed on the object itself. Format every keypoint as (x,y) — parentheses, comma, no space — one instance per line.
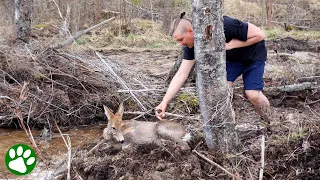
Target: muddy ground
(71,88)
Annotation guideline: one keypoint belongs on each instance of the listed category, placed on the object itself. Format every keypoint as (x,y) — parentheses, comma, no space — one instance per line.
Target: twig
(12,78)
(313,102)
(122,82)
(29,51)
(168,114)
(68,145)
(55,123)
(142,114)
(18,113)
(313,112)
(72,39)
(7,97)
(200,142)
(138,7)
(262,157)
(69,157)
(141,90)
(215,164)
(60,14)
(78,175)
(250,173)
(96,146)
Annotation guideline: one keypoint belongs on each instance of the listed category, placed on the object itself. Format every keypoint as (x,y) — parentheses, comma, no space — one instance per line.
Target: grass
(147,34)
(277,33)
(142,34)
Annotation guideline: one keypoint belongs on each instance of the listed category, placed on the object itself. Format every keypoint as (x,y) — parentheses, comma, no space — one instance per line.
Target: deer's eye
(113,128)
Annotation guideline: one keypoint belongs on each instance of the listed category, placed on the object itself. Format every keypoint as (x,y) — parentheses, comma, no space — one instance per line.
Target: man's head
(182,31)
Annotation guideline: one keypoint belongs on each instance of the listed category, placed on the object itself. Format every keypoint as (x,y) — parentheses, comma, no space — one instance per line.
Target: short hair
(176,22)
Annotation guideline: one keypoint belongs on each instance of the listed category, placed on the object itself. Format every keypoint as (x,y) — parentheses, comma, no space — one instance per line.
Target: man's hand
(161,110)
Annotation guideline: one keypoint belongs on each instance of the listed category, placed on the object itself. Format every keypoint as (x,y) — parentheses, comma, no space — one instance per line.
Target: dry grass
(279,32)
(247,11)
(139,34)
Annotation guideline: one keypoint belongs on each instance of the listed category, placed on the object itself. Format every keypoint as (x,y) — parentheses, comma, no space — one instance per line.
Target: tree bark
(174,70)
(22,19)
(167,16)
(214,98)
(98,10)
(71,40)
(269,12)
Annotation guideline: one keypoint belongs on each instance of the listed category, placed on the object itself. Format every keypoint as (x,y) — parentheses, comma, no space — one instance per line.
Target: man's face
(185,38)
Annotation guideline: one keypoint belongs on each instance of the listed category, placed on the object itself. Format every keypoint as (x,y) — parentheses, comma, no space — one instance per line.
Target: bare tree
(98,10)
(213,92)
(269,12)
(22,19)
(167,16)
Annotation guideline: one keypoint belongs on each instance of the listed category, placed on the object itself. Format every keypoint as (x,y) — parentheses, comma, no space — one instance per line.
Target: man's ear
(190,29)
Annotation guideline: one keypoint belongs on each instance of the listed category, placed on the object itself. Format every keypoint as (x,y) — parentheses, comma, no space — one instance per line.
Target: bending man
(246,54)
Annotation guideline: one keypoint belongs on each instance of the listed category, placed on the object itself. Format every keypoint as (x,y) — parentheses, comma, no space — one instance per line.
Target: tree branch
(72,39)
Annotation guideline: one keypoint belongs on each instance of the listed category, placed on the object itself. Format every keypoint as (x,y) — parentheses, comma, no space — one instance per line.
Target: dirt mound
(291,45)
(58,87)
(296,159)
(144,163)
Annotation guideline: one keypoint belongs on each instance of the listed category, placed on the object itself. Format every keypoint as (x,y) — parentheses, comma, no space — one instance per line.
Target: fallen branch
(140,8)
(7,97)
(293,87)
(313,102)
(298,27)
(309,79)
(69,157)
(215,164)
(72,39)
(68,145)
(121,81)
(167,114)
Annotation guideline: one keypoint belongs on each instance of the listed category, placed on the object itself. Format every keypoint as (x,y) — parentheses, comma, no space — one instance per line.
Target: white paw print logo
(20,159)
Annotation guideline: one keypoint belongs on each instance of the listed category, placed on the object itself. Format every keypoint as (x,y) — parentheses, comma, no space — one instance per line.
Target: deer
(132,132)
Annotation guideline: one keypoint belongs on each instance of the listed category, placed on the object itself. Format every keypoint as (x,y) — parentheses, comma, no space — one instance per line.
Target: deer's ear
(108,112)
(120,109)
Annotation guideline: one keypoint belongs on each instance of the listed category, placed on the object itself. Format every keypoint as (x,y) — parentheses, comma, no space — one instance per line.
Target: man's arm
(255,35)
(175,85)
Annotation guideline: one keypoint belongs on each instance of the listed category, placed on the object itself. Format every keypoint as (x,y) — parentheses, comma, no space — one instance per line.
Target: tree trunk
(174,70)
(214,98)
(264,12)
(97,10)
(167,16)
(269,12)
(22,19)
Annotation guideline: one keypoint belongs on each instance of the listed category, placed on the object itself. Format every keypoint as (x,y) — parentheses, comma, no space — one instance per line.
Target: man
(245,54)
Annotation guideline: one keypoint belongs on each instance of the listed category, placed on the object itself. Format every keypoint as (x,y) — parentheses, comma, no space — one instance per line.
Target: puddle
(52,149)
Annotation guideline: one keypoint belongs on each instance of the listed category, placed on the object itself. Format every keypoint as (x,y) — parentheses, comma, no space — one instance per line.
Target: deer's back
(142,132)
(170,130)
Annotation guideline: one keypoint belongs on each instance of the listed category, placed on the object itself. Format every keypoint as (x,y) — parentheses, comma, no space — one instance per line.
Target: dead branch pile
(69,88)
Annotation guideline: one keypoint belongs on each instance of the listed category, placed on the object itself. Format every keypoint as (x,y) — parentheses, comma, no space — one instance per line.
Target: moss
(83,39)
(135,2)
(40,26)
(191,100)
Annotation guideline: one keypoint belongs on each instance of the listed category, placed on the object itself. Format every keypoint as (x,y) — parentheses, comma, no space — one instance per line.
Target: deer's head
(115,123)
